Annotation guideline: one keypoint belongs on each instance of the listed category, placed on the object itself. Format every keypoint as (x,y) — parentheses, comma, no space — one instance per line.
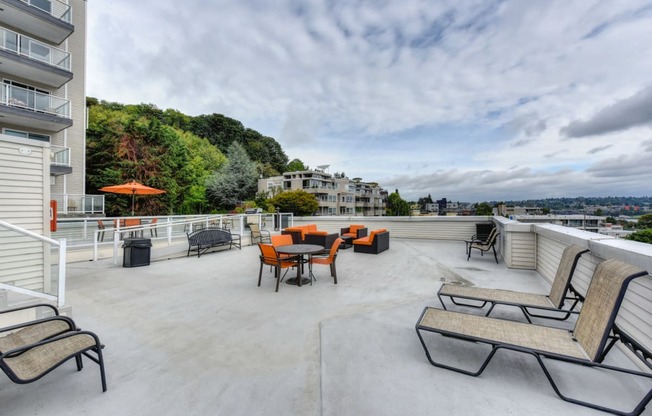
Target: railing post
(61,295)
(168,230)
(116,241)
(96,237)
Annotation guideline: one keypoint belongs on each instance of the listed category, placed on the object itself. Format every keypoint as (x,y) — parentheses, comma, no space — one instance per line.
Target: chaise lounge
(594,335)
(525,301)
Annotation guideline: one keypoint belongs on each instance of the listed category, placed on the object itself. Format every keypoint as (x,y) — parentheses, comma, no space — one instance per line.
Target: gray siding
(23,203)
(635,315)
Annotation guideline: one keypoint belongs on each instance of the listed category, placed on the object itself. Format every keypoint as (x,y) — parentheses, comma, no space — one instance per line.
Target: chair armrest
(38,305)
(362,232)
(68,320)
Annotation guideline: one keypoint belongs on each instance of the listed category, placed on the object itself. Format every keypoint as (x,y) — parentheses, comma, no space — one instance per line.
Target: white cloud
(438,98)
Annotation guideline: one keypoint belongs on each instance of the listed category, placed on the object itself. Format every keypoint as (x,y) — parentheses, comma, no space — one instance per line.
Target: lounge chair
(484,246)
(30,362)
(586,345)
(258,235)
(475,239)
(32,349)
(34,330)
(525,301)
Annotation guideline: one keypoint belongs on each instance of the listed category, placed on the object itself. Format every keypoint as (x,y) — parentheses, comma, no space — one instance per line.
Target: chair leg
(334,272)
(495,255)
(260,273)
(278,277)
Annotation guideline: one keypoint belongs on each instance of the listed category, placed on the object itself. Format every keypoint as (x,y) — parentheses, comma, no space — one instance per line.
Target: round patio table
(300,250)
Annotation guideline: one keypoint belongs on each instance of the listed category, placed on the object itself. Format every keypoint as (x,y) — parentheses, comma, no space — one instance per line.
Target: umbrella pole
(133,197)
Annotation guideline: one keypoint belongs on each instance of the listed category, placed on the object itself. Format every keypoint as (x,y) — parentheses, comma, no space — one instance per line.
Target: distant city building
(505,211)
(614,230)
(335,195)
(579,221)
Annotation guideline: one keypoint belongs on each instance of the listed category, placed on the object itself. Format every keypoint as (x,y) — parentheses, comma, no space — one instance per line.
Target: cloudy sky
(470,100)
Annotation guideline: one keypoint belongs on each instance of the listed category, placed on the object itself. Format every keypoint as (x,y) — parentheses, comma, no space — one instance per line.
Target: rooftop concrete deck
(196,336)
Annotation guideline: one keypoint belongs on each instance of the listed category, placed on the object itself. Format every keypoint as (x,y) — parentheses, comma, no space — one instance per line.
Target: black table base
(295,281)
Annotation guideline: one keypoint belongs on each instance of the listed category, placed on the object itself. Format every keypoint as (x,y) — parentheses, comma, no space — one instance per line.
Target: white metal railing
(16,96)
(99,232)
(56,8)
(59,155)
(79,203)
(60,295)
(26,46)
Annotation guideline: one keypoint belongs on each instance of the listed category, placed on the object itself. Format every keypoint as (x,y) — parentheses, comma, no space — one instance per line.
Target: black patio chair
(490,244)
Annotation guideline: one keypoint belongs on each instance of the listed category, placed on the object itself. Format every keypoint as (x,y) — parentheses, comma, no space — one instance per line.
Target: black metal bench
(203,240)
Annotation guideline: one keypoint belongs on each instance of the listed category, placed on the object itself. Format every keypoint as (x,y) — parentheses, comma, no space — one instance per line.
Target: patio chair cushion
(369,240)
(354,231)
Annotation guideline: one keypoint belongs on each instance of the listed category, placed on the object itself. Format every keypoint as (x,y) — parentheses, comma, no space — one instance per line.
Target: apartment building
(336,195)
(43,107)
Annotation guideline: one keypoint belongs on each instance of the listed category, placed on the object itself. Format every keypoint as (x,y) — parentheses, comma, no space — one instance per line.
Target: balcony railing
(55,8)
(60,155)
(79,203)
(26,46)
(28,99)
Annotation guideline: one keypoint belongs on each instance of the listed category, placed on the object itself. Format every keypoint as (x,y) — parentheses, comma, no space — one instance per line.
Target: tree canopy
(295,165)
(236,181)
(483,208)
(298,202)
(397,206)
(169,150)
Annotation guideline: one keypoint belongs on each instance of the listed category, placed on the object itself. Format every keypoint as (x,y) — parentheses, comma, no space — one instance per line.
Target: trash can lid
(137,242)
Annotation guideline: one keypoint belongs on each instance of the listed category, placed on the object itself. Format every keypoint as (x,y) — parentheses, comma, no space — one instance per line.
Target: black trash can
(137,252)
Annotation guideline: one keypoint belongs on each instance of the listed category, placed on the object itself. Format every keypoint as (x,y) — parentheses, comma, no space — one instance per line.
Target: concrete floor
(196,336)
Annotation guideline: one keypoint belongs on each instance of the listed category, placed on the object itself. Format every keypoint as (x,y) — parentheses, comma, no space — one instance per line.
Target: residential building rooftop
(195,336)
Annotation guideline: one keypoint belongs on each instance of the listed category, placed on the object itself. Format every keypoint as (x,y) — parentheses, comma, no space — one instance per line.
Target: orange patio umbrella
(132,188)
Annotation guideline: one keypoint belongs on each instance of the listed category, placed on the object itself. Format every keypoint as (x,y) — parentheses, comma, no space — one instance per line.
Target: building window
(26,135)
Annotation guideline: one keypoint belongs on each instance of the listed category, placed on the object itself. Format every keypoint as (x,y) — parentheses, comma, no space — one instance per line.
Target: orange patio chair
(330,260)
(269,256)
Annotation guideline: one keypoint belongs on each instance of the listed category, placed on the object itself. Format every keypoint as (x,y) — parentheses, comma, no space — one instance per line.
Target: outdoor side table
(347,243)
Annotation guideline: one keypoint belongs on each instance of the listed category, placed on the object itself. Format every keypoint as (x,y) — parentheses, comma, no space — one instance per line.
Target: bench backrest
(209,235)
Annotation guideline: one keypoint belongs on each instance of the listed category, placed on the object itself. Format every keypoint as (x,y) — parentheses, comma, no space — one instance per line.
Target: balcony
(49,20)
(60,161)
(79,204)
(182,338)
(28,58)
(34,110)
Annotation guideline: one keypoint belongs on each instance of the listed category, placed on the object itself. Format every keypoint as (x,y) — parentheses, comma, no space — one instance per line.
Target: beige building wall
(74,137)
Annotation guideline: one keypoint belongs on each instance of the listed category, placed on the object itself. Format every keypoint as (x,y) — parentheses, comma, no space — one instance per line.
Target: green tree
(236,181)
(397,206)
(643,236)
(644,221)
(298,202)
(483,208)
(598,212)
(295,165)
